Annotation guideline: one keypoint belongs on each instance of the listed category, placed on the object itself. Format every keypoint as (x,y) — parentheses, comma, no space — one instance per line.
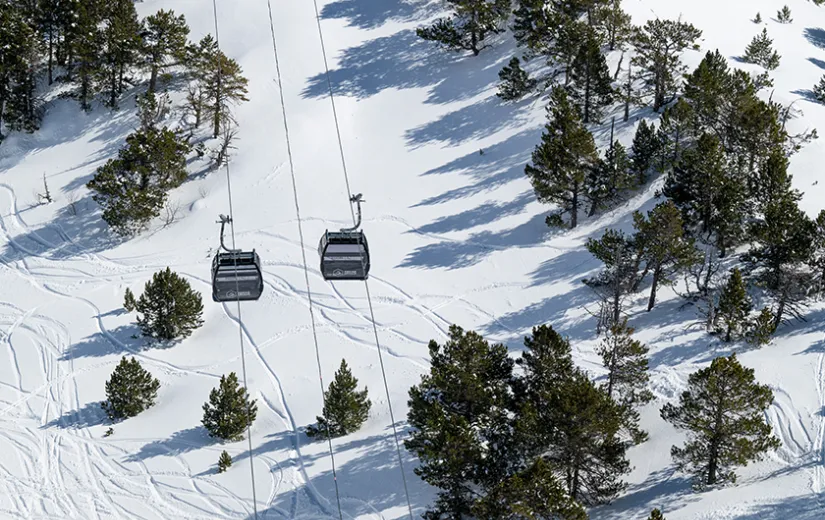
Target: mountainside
(456,237)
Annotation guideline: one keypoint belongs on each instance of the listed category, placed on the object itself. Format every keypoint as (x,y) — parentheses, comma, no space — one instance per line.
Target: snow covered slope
(457,237)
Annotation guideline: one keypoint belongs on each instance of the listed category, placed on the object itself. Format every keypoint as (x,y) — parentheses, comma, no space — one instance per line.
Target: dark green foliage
(676,126)
(656,514)
(614,24)
(470,25)
(515,82)
(665,248)
(170,308)
(734,306)
(761,330)
(621,259)
(132,188)
(589,82)
(19,105)
(817,260)
(130,390)
(709,90)
(643,151)
(164,40)
(346,408)
(562,160)
(459,419)
(220,82)
(129,302)
(152,109)
(120,38)
(224,461)
(723,410)
(659,45)
(567,420)
(626,362)
(711,196)
(760,51)
(784,243)
(609,179)
(533,493)
(757,18)
(784,15)
(229,410)
(87,41)
(819,90)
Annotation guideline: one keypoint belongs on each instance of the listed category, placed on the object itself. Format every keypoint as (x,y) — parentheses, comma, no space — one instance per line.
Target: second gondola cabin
(237,276)
(345,255)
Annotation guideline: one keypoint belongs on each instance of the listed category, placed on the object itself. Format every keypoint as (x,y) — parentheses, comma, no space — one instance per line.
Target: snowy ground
(457,237)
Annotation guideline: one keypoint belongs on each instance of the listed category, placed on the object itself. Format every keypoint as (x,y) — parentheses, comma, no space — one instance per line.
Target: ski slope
(456,237)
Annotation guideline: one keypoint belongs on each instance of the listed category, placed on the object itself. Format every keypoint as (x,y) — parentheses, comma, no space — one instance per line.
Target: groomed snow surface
(456,236)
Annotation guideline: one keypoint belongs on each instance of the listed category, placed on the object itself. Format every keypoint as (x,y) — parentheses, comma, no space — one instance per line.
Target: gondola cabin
(345,255)
(237,276)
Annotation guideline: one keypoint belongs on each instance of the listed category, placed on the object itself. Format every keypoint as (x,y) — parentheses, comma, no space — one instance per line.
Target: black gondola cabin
(345,255)
(237,276)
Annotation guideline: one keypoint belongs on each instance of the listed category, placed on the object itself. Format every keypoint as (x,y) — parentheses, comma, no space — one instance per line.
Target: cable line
(366,283)
(303,251)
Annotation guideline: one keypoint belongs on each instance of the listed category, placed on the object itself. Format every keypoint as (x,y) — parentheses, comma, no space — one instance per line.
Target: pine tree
(614,23)
(819,90)
(532,493)
(129,302)
(709,90)
(620,256)
(152,109)
(19,107)
(784,15)
(656,514)
(762,328)
(665,247)
(678,124)
(711,197)
(757,18)
(568,421)
(470,25)
(817,260)
(515,82)
(643,151)
(163,40)
(219,80)
(723,411)
(132,188)
(564,157)
(224,461)
(130,390)
(229,411)
(589,84)
(86,42)
(346,409)
(734,306)
(659,45)
(170,308)
(609,179)
(120,36)
(760,51)
(459,418)
(626,362)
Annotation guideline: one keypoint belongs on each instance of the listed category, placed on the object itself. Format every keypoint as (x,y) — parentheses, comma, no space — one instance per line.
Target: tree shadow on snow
(402,61)
(458,254)
(486,213)
(815,36)
(819,63)
(663,489)
(500,164)
(180,442)
(806,93)
(76,230)
(371,460)
(118,341)
(371,14)
(802,507)
(471,122)
(90,415)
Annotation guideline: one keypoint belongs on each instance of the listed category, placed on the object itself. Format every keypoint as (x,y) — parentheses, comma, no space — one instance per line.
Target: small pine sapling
(762,328)
(46,195)
(129,302)
(784,15)
(345,408)
(515,81)
(170,308)
(760,51)
(819,90)
(734,306)
(224,461)
(656,514)
(109,432)
(130,390)
(229,411)
(757,18)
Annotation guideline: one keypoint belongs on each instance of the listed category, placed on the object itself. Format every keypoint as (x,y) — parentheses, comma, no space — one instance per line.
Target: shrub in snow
(129,390)
(224,461)
(229,410)
(346,408)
